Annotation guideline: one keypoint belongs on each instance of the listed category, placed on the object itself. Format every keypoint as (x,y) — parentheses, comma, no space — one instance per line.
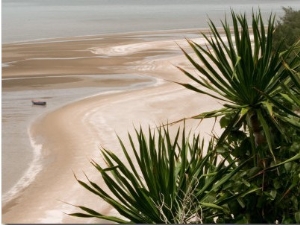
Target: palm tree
(241,69)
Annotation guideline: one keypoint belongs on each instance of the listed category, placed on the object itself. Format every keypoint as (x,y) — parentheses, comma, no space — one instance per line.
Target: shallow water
(18,149)
(24,20)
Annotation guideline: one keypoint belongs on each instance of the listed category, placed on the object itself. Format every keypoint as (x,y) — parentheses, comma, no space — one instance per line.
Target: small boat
(36,102)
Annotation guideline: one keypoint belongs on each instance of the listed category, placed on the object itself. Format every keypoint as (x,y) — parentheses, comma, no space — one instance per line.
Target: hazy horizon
(24,20)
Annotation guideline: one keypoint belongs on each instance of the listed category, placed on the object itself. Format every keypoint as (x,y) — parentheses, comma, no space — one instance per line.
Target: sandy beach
(70,135)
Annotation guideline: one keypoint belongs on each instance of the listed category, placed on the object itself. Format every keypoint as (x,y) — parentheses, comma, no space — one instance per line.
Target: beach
(137,73)
(104,68)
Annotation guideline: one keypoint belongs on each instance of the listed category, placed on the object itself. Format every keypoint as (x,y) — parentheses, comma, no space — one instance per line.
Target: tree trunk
(257,130)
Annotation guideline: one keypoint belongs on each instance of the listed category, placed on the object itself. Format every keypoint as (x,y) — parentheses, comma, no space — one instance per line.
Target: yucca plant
(291,94)
(164,180)
(241,69)
(260,90)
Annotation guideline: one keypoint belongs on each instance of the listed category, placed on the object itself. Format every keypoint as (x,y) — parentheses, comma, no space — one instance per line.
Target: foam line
(29,175)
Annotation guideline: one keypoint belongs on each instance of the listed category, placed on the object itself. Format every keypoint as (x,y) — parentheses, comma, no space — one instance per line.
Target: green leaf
(295,157)
(273,194)
(211,205)
(266,132)
(288,166)
(81,215)
(241,202)
(297,217)
(269,107)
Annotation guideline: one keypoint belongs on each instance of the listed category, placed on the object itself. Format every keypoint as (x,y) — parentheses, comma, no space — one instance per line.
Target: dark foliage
(288,28)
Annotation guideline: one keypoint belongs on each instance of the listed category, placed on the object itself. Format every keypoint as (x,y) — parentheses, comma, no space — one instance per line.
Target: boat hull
(38,102)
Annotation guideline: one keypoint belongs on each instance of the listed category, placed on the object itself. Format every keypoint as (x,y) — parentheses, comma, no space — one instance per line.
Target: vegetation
(288,28)
(165,181)
(171,180)
(247,79)
(258,119)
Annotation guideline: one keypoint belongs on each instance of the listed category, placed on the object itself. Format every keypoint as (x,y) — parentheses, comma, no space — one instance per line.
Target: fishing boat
(36,102)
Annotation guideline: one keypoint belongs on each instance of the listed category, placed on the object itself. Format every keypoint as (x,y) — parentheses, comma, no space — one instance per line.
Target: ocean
(24,20)
(29,20)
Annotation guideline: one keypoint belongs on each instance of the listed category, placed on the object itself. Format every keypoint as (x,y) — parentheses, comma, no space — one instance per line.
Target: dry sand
(71,135)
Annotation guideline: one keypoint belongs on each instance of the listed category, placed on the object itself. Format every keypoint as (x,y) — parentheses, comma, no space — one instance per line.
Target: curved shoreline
(35,166)
(72,134)
(26,179)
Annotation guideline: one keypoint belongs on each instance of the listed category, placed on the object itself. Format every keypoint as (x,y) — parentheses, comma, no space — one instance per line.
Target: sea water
(38,19)
(20,154)
(28,20)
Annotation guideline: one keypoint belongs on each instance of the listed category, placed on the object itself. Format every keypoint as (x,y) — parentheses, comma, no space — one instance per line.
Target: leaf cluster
(259,84)
(251,173)
(287,30)
(242,69)
(165,180)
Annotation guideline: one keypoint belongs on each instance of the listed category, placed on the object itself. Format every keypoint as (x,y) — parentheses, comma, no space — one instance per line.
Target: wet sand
(71,135)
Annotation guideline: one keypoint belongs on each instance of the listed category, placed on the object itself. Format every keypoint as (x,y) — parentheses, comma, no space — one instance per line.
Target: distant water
(24,20)
(38,19)
(20,154)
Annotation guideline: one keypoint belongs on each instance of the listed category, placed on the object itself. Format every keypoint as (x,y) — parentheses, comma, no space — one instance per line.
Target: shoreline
(71,134)
(35,167)
(97,36)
